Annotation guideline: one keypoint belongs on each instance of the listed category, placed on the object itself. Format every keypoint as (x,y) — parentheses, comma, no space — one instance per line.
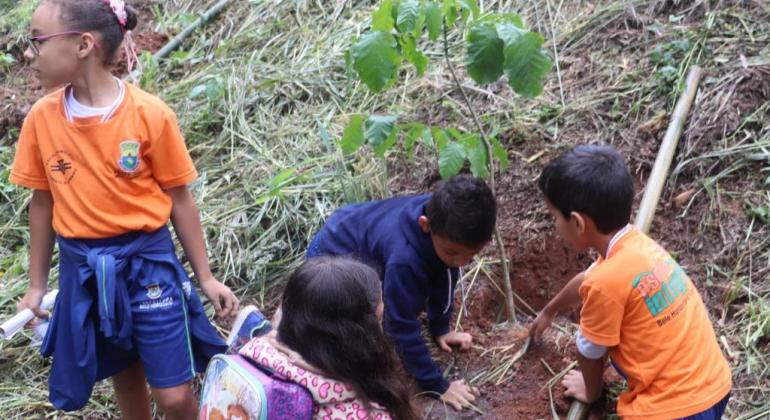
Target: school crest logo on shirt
(129,156)
(154,291)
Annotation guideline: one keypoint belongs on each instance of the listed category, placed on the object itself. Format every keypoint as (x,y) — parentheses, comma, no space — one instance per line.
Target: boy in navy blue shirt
(418,243)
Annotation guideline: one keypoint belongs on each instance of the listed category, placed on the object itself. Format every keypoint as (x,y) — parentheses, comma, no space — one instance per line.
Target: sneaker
(248,324)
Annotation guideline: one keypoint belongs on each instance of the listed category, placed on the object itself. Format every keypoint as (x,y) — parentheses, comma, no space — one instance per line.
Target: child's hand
(540,324)
(446,341)
(32,301)
(576,387)
(459,395)
(224,301)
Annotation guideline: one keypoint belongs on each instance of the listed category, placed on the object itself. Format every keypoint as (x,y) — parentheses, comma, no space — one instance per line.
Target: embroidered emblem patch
(154,291)
(61,167)
(129,156)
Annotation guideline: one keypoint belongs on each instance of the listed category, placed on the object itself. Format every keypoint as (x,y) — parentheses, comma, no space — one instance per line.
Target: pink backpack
(234,388)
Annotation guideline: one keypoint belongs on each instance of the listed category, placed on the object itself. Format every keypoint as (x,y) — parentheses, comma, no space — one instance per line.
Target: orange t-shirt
(106,178)
(639,303)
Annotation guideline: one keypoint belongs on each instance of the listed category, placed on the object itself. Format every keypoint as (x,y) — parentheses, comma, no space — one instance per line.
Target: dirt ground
(700,234)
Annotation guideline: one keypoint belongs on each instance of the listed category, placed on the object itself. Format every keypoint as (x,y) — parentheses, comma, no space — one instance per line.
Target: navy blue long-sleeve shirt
(386,235)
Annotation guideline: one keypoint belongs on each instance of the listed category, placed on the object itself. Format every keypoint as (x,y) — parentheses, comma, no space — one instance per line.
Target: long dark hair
(97,16)
(329,318)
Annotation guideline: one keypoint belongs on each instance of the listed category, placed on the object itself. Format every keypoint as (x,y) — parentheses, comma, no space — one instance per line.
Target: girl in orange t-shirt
(109,168)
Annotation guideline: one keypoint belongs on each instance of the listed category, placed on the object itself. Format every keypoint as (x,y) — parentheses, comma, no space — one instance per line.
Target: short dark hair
(329,318)
(463,210)
(593,180)
(97,16)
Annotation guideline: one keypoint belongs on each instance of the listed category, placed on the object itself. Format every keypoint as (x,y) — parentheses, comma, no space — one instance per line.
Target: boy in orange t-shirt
(639,307)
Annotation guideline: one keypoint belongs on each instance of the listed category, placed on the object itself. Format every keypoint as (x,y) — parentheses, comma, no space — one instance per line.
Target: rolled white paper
(9,328)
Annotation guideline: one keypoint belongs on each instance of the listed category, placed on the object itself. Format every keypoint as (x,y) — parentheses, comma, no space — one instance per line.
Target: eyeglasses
(34,42)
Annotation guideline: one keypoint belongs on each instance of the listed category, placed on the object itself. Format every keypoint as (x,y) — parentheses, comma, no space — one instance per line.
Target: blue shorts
(161,338)
(713,413)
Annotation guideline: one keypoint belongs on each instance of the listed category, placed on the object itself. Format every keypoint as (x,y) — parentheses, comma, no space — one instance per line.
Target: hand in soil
(447,341)
(576,386)
(459,395)
(540,324)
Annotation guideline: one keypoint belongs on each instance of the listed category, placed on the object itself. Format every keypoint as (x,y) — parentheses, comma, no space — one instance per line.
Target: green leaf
(440,137)
(282,179)
(455,133)
(419,25)
(471,6)
(382,19)
(526,64)
(376,60)
(450,12)
(394,11)
(417,58)
(390,141)
(434,20)
(408,12)
(762,213)
(484,59)
(427,138)
(451,159)
(380,132)
(510,29)
(477,155)
(415,133)
(353,135)
(499,152)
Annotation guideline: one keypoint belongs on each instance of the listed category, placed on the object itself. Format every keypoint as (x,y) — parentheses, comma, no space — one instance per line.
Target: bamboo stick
(174,43)
(202,20)
(666,153)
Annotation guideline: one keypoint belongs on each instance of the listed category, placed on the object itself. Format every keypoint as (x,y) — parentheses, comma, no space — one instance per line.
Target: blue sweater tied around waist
(94,305)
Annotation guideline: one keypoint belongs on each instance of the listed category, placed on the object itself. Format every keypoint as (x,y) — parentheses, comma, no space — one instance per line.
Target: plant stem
(509,305)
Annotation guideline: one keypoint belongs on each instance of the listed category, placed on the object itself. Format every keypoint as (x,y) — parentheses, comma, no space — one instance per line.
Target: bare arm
(187,223)
(41,240)
(568,296)
(585,385)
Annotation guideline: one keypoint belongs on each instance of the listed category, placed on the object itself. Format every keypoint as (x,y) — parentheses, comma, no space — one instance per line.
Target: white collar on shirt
(616,238)
(74,109)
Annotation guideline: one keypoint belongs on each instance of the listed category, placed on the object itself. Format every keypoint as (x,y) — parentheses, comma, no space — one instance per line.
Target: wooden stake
(666,153)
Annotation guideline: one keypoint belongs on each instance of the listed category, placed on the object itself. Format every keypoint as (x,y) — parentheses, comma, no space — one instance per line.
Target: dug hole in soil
(540,268)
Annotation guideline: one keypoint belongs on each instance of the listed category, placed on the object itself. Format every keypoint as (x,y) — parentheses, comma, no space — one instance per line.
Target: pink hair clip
(119,9)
